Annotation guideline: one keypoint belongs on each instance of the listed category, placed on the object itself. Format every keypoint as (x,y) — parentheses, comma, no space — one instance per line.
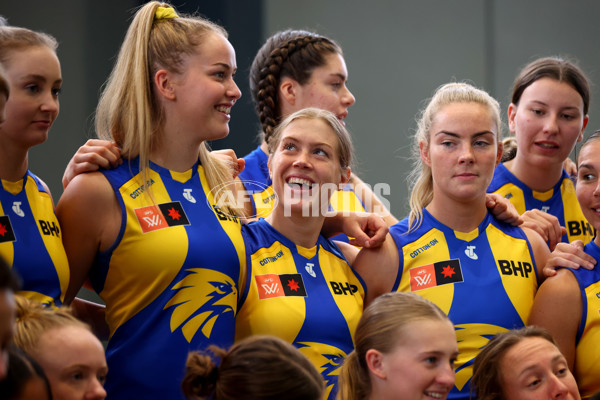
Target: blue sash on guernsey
(31,240)
(587,352)
(484,280)
(560,201)
(258,184)
(170,281)
(308,297)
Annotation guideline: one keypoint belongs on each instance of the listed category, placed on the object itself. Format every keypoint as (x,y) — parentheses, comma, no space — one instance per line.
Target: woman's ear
(288,90)
(500,151)
(512,112)
(164,84)
(375,363)
(424,151)
(585,122)
(346,173)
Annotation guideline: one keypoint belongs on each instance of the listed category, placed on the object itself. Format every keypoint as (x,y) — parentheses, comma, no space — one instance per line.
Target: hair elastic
(165,13)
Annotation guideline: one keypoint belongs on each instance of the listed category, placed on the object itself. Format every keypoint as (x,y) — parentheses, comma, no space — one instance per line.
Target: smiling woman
(158,250)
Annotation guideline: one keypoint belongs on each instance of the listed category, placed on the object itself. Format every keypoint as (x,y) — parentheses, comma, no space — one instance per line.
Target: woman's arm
(378,267)
(541,253)
(90,218)
(558,307)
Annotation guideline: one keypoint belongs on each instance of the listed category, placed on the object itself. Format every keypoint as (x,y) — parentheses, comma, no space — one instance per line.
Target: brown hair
(292,53)
(380,328)
(256,368)
(487,375)
(4,88)
(556,68)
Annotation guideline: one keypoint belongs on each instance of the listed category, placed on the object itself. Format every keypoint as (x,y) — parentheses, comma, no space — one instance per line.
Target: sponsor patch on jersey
(436,274)
(273,285)
(6,231)
(164,215)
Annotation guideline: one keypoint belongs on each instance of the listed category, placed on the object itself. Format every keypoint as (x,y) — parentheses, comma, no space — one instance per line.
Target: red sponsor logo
(269,286)
(150,218)
(422,277)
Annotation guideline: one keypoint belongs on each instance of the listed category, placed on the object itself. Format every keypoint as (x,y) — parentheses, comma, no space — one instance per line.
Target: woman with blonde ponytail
(159,248)
(405,349)
(451,250)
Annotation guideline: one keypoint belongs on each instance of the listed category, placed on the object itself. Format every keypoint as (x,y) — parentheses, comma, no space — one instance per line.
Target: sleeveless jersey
(258,184)
(170,281)
(31,240)
(308,297)
(484,280)
(587,352)
(560,201)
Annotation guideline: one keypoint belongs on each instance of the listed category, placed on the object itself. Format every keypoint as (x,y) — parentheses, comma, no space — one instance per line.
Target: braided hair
(291,53)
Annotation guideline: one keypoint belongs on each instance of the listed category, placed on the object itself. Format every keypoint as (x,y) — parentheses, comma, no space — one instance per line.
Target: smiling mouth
(300,183)
(547,145)
(224,109)
(435,395)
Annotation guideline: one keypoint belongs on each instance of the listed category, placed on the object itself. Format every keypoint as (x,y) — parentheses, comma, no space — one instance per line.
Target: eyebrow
(339,75)
(457,135)
(38,78)
(290,138)
(558,357)
(588,166)
(546,105)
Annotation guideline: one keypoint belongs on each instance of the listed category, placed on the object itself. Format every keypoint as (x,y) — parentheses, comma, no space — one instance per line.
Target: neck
(303,231)
(13,161)
(536,178)
(264,147)
(175,155)
(464,217)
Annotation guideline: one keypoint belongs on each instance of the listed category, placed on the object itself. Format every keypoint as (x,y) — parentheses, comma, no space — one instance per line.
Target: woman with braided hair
(296,69)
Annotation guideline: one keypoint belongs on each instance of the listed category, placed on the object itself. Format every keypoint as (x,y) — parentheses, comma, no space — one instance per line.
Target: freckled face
(306,158)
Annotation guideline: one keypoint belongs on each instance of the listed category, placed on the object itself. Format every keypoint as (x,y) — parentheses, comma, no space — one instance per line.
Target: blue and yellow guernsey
(587,352)
(560,201)
(258,184)
(31,240)
(485,280)
(309,297)
(170,281)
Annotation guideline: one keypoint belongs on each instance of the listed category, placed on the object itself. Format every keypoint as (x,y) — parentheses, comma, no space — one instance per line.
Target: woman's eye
(321,152)
(32,88)
(481,143)
(289,146)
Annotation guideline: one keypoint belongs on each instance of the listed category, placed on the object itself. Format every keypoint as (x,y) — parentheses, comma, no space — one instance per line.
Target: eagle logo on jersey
(328,359)
(471,338)
(202,297)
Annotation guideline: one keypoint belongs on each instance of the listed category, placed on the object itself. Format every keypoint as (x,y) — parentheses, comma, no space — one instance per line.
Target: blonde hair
(15,38)
(33,320)
(128,111)
(420,177)
(381,328)
(345,147)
